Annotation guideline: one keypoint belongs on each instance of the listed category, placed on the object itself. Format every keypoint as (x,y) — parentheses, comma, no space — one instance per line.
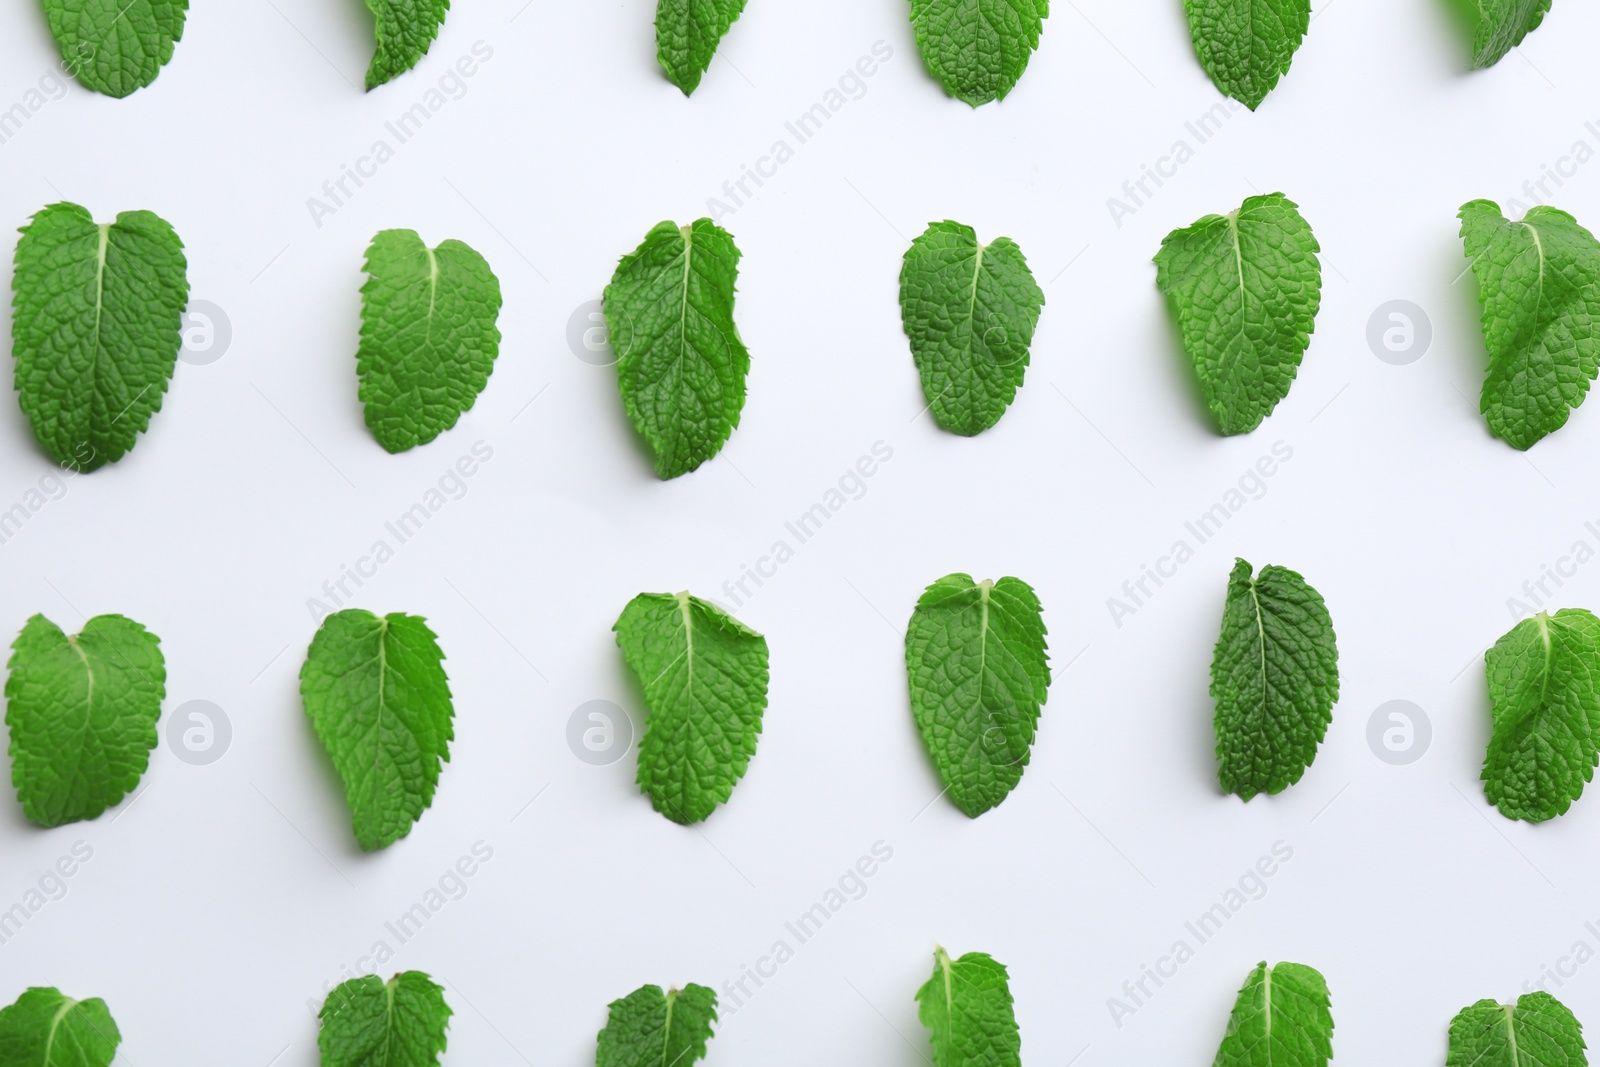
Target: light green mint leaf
(1245,288)
(1501,25)
(428,336)
(1245,46)
(1537,1031)
(367,1022)
(97,318)
(680,363)
(406,29)
(649,1028)
(1544,695)
(704,675)
(115,46)
(47,1029)
(1281,1019)
(1539,284)
(82,713)
(687,33)
(979,672)
(1274,677)
(969,311)
(966,1006)
(978,49)
(379,701)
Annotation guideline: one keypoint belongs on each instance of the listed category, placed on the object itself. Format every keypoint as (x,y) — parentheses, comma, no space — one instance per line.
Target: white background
(221,899)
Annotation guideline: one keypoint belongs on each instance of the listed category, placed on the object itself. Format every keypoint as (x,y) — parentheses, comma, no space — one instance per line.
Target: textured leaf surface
(1539,285)
(82,713)
(1245,288)
(649,1028)
(115,46)
(969,312)
(704,675)
(367,1022)
(1281,1019)
(966,1006)
(1245,46)
(1502,24)
(978,49)
(379,701)
(1274,678)
(687,34)
(1536,1031)
(45,1028)
(97,314)
(428,336)
(979,671)
(405,29)
(1544,694)
(680,363)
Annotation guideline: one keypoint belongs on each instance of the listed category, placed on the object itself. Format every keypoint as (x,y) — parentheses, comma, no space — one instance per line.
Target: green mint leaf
(1274,677)
(82,713)
(115,46)
(1544,695)
(379,701)
(1245,288)
(1539,284)
(1501,26)
(1537,1031)
(97,318)
(680,364)
(978,49)
(1245,46)
(687,34)
(44,1028)
(704,675)
(367,1022)
(649,1028)
(406,29)
(428,336)
(1281,1019)
(967,1007)
(969,312)
(979,672)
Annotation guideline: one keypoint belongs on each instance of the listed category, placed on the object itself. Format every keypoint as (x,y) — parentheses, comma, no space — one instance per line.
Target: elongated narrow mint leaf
(367,1022)
(1274,677)
(649,1028)
(969,311)
(978,49)
(1537,1031)
(1281,1019)
(687,33)
(379,701)
(1245,46)
(97,314)
(1539,284)
(46,1028)
(1245,288)
(428,336)
(1544,695)
(1501,26)
(82,713)
(704,675)
(405,29)
(680,363)
(115,46)
(966,1007)
(979,673)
